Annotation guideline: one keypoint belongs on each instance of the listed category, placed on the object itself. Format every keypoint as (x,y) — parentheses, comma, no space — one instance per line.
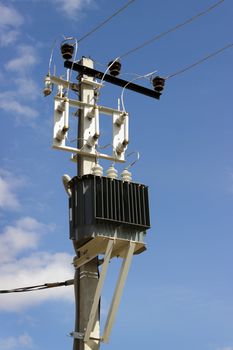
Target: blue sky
(179,293)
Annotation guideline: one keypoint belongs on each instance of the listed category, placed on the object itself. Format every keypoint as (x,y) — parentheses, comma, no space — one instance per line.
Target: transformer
(101,206)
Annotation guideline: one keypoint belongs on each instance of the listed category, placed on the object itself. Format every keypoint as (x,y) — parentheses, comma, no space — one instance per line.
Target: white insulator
(59,90)
(97,170)
(61,107)
(91,141)
(126,175)
(121,119)
(120,148)
(66,179)
(47,86)
(97,126)
(91,114)
(112,172)
(61,134)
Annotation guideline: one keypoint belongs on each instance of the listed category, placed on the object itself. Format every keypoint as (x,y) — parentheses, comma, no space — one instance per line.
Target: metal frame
(91,134)
(118,291)
(110,247)
(98,290)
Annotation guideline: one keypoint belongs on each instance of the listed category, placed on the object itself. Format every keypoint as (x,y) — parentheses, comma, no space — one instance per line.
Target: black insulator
(67,51)
(158,83)
(114,68)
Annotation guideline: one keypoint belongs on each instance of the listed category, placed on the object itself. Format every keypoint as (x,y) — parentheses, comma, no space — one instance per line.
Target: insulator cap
(112,172)
(126,175)
(67,51)
(47,91)
(47,86)
(158,83)
(66,179)
(114,68)
(97,170)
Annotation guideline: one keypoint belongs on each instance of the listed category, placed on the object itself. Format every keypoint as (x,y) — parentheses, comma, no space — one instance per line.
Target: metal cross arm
(111,79)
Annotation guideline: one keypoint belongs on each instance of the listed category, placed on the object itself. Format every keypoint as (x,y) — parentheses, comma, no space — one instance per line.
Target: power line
(158,36)
(88,33)
(199,61)
(37,287)
(106,20)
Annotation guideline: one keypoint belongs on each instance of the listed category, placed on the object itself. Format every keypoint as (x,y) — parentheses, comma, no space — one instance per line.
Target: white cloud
(38,268)
(9,17)
(72,7)
(26,58)
(27,88)
(25,340)
(9,103)
(16,239)
(8,185)
(10,343)
(8,37)
(226,348)
(10,21)
(15,101)
(19,270)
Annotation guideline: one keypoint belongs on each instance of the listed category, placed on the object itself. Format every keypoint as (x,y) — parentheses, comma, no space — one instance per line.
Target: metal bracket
(118,291)
(77,151)
(77,335)
(109,247)
(98,290)
(111,79)
(91,128)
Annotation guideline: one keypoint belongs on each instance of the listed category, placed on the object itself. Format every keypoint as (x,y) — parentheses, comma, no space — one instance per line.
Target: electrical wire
(38,287)
(84,37)
(135,161)
(199,61)
(51,56)
(75,54)
(106,21)
(94,30)
(157,37)
(138,77)
(52,51)
(172,29)
(101,82)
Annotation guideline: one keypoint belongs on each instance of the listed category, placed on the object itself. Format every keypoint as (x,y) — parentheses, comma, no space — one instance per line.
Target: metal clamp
(77,335)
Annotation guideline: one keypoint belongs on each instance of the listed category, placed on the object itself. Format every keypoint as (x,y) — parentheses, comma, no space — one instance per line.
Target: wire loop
(135,161)
(138,77)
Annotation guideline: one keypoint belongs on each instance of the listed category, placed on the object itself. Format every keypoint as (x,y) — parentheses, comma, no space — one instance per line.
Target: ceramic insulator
(97,170)
(112,172)
(126,175)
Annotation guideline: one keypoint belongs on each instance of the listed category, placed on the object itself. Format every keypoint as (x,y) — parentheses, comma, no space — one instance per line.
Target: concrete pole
(86,278)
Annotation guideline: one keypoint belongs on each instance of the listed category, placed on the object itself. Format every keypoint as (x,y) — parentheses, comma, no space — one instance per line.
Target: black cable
(199,61)
(38,287)
(158,36)
(106,21)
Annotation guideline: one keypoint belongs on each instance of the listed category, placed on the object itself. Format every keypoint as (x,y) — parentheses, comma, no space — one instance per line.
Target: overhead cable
(106,20)
(38,287)
(199,61)
(178,26)
(90,32)
(137,77)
